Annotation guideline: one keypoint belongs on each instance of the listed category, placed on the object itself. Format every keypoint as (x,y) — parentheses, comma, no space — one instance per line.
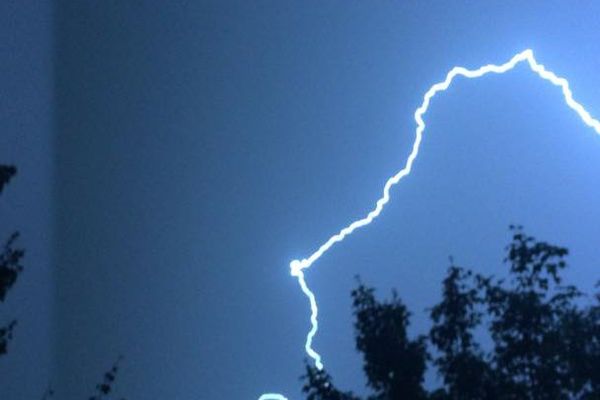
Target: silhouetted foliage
(105,388)
(6,174)
(319,386)
(461,361)
(394,364)
(10,265)
(532,322)
(545,344)
(10,268)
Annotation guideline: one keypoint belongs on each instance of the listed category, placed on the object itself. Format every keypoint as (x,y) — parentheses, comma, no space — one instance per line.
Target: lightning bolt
(297,267)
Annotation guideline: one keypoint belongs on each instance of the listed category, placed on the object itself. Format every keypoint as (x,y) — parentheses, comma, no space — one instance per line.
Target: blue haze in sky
(26,204)
(200,146)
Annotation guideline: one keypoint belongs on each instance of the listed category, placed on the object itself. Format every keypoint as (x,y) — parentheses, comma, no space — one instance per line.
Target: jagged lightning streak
(297,267)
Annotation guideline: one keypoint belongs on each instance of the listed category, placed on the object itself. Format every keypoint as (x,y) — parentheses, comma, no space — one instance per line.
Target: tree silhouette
(319,386)
(10,269)
(546,345)
(105,388)
(461,361)
(394,364)
(532,320)
(10,265)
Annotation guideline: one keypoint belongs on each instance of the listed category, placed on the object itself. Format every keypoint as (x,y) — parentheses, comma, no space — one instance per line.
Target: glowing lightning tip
(295,267)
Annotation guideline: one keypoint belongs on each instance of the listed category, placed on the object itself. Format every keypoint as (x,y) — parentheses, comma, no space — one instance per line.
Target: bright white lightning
(272,396)
(297,267)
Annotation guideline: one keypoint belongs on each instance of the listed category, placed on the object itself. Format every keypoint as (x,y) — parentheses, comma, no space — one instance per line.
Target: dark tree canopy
(393,363)
(545,343)
(461,361)
(6,174)
(10,265)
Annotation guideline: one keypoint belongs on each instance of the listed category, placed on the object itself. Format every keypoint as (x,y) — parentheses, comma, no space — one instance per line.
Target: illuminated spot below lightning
(272,396)
(297,267)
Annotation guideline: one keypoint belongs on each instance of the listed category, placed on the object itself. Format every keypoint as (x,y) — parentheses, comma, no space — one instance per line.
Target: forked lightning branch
(298,267)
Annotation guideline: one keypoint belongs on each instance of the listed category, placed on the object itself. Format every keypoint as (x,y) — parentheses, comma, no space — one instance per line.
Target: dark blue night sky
(175,156)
